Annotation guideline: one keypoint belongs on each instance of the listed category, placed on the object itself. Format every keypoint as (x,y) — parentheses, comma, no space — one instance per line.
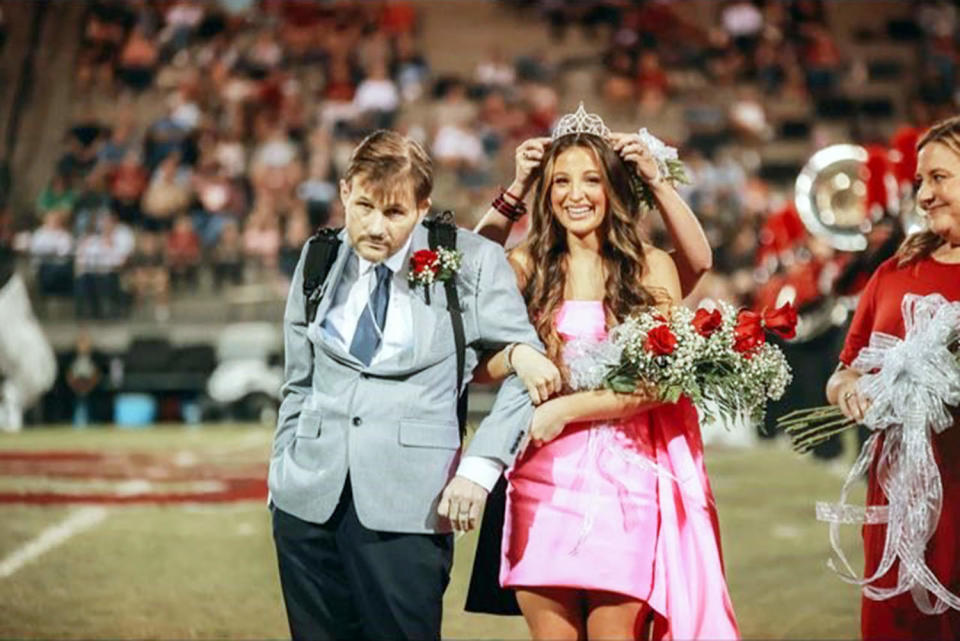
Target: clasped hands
(543,381)
(462,500)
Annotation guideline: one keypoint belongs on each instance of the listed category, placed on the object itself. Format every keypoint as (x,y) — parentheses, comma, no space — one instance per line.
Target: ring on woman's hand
(847,396)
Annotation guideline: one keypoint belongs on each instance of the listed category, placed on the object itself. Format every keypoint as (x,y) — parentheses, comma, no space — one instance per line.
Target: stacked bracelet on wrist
(514,212)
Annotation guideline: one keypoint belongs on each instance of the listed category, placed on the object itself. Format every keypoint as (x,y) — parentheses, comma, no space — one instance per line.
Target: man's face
(379,222)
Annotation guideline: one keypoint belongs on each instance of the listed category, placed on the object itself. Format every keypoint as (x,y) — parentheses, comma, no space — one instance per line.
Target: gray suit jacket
(393,425)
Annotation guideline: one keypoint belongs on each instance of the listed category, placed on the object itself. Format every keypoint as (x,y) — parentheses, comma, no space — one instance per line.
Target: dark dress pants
(341,580)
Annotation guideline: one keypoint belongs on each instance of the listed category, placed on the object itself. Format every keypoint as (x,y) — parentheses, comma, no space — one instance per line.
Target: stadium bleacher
(213,133)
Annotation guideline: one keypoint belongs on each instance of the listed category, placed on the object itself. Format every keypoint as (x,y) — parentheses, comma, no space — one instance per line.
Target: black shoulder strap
(322,251)
(442,232)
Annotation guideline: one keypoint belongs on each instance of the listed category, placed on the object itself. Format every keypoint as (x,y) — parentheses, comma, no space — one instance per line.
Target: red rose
(423,260)
(748,334)
(706,322)
(660,341)
(782,321)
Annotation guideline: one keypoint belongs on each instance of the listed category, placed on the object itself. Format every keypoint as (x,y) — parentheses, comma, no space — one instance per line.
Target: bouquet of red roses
(720,359)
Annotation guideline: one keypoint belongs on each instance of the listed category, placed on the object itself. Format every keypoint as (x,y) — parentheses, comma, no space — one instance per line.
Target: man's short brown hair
(385,159)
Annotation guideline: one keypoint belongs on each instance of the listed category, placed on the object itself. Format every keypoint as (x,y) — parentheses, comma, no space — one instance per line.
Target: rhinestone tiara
(580,122)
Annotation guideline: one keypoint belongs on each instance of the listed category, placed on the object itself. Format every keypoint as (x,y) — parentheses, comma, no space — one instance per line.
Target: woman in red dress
(928,262)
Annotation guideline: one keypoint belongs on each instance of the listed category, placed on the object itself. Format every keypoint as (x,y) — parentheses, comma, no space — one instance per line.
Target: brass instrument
(829,196)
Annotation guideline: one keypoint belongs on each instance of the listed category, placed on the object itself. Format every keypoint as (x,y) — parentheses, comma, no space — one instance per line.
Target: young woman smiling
(610,520)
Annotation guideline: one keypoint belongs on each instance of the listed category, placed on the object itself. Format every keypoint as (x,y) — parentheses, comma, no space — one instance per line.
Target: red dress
(879,311)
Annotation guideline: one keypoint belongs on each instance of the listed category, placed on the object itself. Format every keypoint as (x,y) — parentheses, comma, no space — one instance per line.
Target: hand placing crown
(652,159)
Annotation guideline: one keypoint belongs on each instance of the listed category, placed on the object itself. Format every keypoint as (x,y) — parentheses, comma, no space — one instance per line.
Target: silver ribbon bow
(914,380)
(590,360)
(661,151)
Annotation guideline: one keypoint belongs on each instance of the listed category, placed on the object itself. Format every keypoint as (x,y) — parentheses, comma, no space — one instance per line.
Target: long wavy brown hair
(922,244)
(544,276)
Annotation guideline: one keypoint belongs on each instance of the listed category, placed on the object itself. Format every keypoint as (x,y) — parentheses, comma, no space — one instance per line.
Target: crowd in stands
(711,92)
(232,120)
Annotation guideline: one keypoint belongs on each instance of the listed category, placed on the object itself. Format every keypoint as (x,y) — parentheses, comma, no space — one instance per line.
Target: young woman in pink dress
(610,522)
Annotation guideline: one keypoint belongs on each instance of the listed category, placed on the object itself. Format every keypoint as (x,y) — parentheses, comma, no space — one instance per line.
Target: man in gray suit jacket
(365,477)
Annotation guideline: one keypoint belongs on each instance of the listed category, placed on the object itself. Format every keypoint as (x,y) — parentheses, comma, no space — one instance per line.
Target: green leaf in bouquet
(622,383)
(676,174)
(624,368)
(708,416)
(678,171)
(696,395)
(714,372)
(713,379)
(671,394)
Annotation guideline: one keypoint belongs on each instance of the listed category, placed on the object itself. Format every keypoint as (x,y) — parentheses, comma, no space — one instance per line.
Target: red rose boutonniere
(428,266)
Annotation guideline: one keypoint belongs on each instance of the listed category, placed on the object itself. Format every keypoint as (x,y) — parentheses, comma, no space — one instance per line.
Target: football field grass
(164,534)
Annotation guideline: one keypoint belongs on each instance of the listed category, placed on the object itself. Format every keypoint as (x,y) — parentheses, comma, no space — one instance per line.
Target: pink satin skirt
(623,507)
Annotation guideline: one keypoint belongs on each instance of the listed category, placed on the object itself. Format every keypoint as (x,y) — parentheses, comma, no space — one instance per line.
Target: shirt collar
(394,261)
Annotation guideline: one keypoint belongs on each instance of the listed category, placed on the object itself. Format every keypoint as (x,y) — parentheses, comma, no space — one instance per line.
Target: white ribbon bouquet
(912,385)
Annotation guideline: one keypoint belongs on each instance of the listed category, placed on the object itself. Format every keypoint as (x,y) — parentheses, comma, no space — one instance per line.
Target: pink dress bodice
(582,319)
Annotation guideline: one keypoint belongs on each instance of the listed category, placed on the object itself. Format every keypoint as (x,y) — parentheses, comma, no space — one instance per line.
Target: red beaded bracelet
(514,212)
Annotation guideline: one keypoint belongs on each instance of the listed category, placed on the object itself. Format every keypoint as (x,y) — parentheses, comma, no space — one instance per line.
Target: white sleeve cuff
(481,470)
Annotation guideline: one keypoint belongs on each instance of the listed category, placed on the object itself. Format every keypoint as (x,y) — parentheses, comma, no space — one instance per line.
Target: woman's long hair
(922,244)
(621,252)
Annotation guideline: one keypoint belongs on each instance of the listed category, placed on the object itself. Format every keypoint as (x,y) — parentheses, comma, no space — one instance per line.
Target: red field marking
(50,456)
(241,482)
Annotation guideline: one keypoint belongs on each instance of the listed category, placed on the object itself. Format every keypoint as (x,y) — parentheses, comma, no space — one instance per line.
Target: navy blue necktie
(366,340)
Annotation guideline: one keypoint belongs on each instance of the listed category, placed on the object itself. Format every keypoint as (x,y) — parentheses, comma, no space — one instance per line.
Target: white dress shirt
(340,324)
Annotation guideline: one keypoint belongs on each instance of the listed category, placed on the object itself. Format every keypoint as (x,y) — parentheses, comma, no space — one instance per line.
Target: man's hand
(461,503)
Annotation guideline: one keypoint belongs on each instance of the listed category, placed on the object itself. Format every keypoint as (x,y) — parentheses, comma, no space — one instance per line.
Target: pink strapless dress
(621,506)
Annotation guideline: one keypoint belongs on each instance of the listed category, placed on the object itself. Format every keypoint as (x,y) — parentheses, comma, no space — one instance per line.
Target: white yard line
(82,519)
(132,487)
